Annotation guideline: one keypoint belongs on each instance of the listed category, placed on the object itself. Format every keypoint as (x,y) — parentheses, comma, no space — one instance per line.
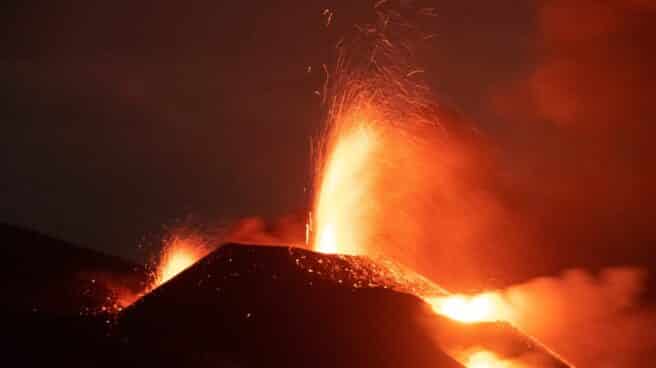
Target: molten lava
(179,253)
(485,359)
(327,242)
(485,307)
(177,262)
(343,184)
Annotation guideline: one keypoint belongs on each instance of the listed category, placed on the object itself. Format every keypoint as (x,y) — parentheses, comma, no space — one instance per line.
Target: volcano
(239,306)
(253,306)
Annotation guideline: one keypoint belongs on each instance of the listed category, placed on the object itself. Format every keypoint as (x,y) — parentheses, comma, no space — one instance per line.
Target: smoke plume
(593,320)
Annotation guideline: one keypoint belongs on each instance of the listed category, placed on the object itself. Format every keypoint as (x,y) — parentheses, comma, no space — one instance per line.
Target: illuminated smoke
(595,320)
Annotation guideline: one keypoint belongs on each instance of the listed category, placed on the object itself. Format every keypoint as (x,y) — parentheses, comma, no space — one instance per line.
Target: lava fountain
(180,252)
(353,194)
(383,154)
(335,225)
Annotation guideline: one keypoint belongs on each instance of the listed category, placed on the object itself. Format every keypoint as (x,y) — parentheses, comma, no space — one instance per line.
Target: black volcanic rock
(250,306)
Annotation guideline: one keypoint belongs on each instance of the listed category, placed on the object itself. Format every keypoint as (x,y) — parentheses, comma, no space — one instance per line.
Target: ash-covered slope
(251,306)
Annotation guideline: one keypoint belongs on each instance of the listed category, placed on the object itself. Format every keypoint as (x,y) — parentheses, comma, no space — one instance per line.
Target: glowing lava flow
(485,307)
(485,359)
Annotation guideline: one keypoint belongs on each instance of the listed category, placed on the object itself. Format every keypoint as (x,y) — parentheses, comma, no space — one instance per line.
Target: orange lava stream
(484,307)
(485,359)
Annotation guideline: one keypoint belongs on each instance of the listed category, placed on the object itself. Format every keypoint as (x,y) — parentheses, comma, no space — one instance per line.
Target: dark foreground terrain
(52,300)
(241,306)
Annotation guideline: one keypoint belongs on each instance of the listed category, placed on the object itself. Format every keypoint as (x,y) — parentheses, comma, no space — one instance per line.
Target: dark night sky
(121,117)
